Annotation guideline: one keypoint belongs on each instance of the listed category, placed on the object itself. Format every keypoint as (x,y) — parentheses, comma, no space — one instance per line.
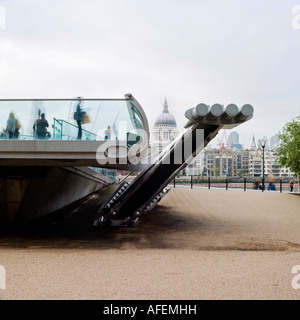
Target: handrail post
(209,182)
(191,181)
(53,128)
(245,184)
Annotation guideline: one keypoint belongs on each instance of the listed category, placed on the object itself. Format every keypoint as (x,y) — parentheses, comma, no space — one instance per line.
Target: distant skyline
(223,134)
(191,51)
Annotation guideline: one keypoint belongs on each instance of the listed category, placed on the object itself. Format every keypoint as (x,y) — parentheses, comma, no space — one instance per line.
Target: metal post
(244,184)
(174,182)
(226,183)
(263,178)
(191,181)
(209,182)
(280,185)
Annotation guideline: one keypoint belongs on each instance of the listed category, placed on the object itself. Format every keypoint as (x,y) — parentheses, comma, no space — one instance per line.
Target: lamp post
(263,144)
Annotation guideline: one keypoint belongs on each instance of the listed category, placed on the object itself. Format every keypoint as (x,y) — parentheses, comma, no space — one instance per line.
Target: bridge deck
(61,153)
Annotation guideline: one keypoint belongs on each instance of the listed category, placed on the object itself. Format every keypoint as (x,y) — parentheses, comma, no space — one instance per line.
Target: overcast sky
(192,51)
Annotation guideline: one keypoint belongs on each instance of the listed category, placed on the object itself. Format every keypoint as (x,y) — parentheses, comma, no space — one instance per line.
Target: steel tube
(230,111)
(200,111)
(245,112)
(215,111)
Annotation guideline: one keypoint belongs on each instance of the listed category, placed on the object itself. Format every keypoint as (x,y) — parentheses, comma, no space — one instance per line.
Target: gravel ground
(196,244)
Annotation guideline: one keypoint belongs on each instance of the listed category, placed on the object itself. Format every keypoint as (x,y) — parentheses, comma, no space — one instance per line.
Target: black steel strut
(130,201)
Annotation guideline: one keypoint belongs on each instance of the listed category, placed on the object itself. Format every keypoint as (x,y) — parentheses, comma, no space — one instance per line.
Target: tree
(289,148)
(216,171)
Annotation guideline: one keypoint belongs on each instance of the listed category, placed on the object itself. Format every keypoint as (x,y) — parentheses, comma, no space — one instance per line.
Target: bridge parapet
(78,128)
(62,119)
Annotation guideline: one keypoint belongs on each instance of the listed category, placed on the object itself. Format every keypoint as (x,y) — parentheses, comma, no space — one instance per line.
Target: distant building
(195,167)
(233,139)
(222,161)
(253,144)
(237,146)
(271,165)
(274,142)
(165,129)
(242,162)
(218,162)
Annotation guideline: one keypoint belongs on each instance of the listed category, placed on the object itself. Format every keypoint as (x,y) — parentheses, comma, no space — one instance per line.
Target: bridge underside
(27,193)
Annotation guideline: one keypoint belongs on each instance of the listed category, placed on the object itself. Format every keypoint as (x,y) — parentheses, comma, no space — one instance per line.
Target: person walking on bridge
(12,127)
(40,127)
(79,117)
(107,133)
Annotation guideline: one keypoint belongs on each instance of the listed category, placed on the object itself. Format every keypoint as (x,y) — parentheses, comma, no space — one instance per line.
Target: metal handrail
(60,121)
(65,99)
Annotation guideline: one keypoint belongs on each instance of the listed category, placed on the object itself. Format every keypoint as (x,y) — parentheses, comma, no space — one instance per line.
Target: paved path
(196,244)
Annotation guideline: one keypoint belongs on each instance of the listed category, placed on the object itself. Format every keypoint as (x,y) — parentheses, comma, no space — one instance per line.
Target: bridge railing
(64,130)
(121,117)
(281,184)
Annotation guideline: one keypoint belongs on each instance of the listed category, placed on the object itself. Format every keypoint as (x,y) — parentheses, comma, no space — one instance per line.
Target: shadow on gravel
(162,228)
(72,228)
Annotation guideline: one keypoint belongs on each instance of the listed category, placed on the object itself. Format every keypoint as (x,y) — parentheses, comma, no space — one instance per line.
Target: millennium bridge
(74,158)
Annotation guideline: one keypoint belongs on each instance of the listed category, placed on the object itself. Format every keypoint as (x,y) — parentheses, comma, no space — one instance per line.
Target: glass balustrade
(63,130)
(120,116)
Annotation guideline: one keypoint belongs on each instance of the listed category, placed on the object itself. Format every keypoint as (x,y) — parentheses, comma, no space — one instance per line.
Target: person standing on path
(291,186)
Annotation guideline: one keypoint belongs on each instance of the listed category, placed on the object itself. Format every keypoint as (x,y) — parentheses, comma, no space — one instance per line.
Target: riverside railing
(282,184)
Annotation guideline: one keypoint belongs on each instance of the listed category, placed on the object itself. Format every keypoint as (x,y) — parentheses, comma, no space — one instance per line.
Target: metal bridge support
(151,185)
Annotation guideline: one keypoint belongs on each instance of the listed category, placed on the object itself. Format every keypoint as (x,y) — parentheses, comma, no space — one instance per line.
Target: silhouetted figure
(78,117)
(107,133)
(271,185)
(40,127)
(257,186)
(12,127)
(291,186)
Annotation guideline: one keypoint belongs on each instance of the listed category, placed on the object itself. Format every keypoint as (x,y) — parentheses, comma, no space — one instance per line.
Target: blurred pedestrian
(78,116)
(12,127)
(107,133)
(291,186)
(257,186)
(40,127)
(271,185)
